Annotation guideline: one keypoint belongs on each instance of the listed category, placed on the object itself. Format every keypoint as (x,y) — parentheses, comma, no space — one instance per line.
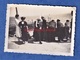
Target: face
(18,17)
(22,19)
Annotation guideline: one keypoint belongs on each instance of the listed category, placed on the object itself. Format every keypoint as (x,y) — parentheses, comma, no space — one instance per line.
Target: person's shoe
(40,42)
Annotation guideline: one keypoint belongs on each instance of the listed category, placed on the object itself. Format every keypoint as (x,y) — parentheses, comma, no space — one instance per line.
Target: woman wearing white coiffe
(18,30)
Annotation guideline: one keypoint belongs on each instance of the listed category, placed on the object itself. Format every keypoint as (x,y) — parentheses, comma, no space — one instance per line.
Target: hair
(38,20)
(58,20)
(22,18)
(52,20)
(16,16)
(42,17)
(67,20)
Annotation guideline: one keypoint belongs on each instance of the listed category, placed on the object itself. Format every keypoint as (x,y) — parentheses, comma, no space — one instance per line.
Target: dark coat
(44,25)
(24,32)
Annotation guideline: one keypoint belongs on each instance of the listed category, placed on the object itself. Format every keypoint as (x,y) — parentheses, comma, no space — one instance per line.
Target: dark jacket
(44,25)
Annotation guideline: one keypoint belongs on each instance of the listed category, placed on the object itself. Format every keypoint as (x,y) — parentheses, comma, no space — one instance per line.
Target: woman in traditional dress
(23,26)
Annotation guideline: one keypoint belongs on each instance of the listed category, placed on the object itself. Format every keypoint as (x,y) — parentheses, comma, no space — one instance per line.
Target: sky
(33,12)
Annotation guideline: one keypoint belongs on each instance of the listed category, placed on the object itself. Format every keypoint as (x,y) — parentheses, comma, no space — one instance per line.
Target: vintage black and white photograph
(40,29)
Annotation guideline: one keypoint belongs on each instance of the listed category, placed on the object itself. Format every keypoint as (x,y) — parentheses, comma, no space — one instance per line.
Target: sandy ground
(46,47)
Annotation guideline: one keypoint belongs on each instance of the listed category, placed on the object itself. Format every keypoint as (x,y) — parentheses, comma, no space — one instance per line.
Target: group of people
(48,31)
(43,30)
(21,29)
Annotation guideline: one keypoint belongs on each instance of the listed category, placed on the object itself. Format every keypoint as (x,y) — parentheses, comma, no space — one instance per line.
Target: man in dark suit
(23,26)
(44,26)
(60,30)
(39,30)
(67,27)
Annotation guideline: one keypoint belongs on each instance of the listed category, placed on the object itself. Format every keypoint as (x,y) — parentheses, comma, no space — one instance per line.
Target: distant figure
(44,26)
(67,27)
(60,30)
(24,27)
(18,30)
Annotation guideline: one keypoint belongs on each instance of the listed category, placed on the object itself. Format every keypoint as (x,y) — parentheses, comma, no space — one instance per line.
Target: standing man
(24,27)
(60,33)
(44,26)
(67,27)
(39,30)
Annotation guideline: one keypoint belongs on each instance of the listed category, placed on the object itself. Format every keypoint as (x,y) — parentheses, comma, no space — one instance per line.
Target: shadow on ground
(18,42)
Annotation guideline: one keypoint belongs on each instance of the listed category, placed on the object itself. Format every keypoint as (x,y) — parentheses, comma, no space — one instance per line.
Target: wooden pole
(16,11)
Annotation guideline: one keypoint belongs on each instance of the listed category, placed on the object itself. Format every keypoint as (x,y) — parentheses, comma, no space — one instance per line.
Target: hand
(40,27)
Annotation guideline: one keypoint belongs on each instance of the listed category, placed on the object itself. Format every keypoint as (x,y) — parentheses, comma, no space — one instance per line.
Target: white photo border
(29,52)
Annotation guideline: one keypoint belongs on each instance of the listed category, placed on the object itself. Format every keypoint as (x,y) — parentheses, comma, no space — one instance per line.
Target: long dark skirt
(24,35)
(51,34)
(60,33)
